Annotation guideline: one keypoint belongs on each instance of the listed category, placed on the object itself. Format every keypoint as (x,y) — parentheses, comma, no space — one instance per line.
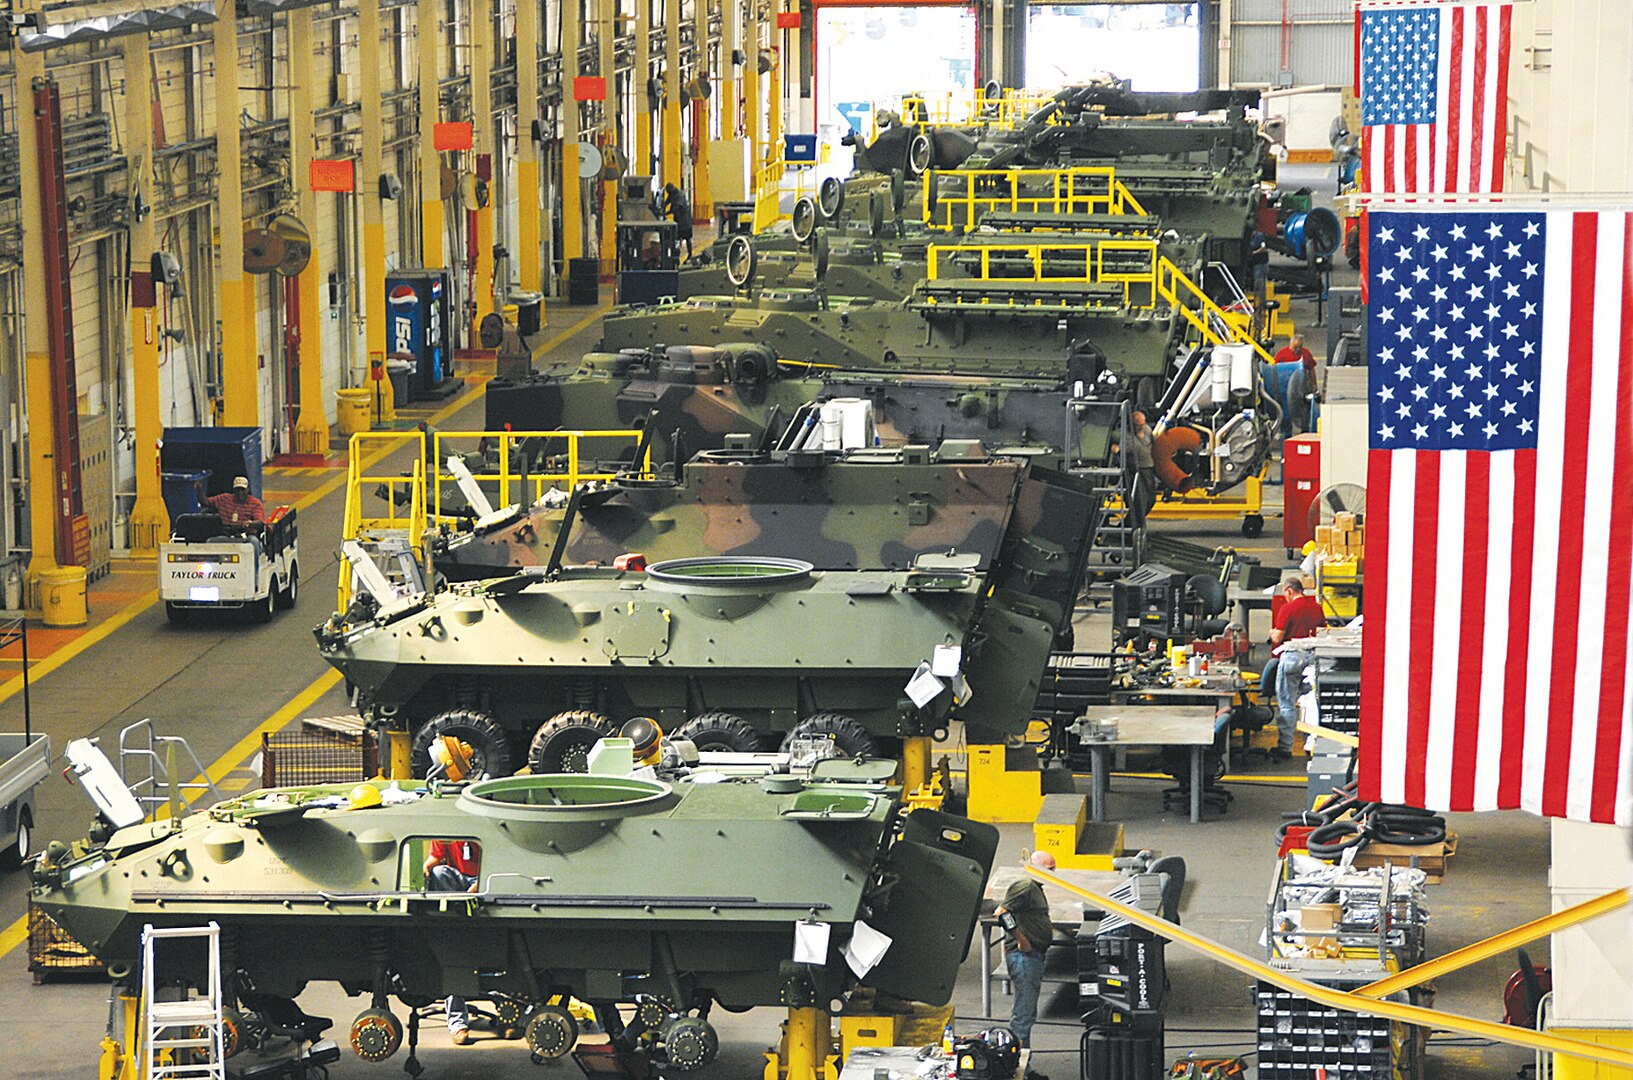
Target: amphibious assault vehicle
(736,651)
(671,896)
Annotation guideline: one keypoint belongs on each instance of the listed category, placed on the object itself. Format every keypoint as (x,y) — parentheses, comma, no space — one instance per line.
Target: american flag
(1433,80)
(1495,654)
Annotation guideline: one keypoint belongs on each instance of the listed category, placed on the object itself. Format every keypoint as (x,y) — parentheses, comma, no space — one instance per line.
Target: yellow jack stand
(806,1050)
(118,1062)
(1064,830)
(1005,783)
(399,755)
(923,788)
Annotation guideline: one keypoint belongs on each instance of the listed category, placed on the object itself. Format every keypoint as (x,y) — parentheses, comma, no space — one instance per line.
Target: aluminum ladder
(183,1040)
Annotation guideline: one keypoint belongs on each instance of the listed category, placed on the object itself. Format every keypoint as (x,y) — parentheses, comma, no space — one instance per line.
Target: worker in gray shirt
(1024,915)
(1146,484)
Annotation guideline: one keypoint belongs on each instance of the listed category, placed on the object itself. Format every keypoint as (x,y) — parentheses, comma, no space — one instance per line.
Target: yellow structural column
(702,202)
(149,522)
(606,34)
(482,146)
(773,109)
(790,61)
(42,476)
(431,223)
(371,159)
(240,367)
(671,93)
(753,92)
(529,264)
(311,425)
(642,75)
(572,188)
(731,35)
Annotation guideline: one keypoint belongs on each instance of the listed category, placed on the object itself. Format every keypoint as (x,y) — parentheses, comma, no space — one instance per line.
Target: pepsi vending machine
(419,327)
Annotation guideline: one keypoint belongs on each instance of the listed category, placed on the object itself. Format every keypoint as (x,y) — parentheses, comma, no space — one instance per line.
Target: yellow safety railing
(1003,112)
(776,179)
(1128,262)
(396,518)
(566,471)
(1213,323)
(963,196)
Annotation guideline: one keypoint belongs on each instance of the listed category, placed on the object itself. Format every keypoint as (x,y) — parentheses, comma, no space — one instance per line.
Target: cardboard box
(1343,521)
(1432,858)
(1323,537)
(1320,918)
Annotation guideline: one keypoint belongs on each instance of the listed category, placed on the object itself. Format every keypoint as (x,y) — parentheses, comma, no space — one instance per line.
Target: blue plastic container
(221,452)
(184,491)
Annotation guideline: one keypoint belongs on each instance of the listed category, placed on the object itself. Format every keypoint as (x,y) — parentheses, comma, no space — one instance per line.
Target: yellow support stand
(1064,830)
(1005,783)
(1573,1068)
(806,1051)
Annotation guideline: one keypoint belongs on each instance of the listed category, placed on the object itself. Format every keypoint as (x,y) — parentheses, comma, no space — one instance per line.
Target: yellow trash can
(354,410)
(62,596)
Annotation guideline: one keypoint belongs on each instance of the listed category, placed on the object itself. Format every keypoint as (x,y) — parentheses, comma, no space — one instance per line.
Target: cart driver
(238,506)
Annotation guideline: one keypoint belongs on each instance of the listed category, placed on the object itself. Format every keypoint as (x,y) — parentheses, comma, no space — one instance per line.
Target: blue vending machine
(419,325)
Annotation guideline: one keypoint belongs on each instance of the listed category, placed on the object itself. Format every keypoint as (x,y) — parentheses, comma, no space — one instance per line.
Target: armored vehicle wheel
(551,1032)
(376,1034)
(562,743)
(288,594)
(721,731)
(176,614)
(689,1042)
(490,748)
(511,1014)
(850,738)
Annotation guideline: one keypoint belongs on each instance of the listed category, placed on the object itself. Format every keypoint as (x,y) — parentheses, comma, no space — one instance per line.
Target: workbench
(1194,726)
(1065,912)
(907,1063)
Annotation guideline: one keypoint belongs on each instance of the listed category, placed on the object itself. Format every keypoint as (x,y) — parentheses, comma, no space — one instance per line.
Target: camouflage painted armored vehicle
(672,896)
(739,651)
(694,397)
(875,509)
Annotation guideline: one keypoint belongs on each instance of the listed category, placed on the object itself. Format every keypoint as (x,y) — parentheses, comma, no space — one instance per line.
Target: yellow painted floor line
(15,934)
(41,668)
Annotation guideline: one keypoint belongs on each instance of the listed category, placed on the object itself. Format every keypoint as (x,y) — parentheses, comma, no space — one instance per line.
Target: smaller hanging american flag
(1433,81)
(1495,659)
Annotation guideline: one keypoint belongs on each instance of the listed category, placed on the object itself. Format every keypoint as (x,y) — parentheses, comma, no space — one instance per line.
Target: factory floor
(222,685)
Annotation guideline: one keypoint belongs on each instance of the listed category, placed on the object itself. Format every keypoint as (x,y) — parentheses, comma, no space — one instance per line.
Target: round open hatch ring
(728,570)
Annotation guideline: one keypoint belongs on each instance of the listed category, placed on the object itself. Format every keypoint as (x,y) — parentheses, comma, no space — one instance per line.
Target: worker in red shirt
(1301,617)
(454,866)
(1300,386)
(238,506)
(1295,352)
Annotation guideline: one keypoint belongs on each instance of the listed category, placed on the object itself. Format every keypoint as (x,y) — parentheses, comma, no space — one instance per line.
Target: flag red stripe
(1573,494)
(1364,276)
(1477,102)
(1454,97)
(1421,648)
(1607,762)
(1476,530)
(1372,627)
(1512,757)
(1411,140)
(1505,39)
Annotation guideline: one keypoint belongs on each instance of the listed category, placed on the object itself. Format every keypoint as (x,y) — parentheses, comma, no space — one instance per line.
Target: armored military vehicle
(874,509)
(673,896)
(738,650)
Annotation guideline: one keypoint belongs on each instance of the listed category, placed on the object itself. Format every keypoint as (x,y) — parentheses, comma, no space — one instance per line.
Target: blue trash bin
(184,491)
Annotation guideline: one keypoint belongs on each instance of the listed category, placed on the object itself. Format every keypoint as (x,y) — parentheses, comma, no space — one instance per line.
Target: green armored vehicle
(738,651)
(861,509)
(609,889)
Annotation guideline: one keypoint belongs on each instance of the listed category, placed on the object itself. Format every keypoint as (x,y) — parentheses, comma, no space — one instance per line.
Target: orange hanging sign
(589,88)
(452,135)
(787,20)
(332,175)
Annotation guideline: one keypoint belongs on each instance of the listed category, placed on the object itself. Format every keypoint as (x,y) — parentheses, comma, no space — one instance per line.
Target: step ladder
(182,1040)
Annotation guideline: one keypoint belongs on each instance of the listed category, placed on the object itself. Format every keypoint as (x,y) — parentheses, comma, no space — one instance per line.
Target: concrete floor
(221,685)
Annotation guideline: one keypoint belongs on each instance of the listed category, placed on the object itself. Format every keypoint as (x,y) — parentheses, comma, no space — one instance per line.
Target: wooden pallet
(348,726)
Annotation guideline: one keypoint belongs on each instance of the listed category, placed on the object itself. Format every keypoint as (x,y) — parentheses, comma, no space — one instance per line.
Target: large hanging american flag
(1500,535)
(1433,81)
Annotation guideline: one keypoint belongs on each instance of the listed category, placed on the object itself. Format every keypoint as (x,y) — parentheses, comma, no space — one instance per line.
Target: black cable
(1328,841)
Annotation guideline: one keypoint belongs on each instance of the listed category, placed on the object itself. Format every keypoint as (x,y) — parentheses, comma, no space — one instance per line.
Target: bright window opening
(1154,46)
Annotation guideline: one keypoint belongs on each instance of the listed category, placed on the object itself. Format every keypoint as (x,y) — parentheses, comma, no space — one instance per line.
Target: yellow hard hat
(1309,546)
(364,796)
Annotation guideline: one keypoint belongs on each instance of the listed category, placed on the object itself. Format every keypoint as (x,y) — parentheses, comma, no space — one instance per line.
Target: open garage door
(868,55)
(1156,46)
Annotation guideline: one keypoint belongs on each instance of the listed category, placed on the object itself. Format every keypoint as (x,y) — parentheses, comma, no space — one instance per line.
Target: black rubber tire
(562,743)
(849,736)
(490,745)
(1253,526)
(721,731)
(288,595)
(22,842)
(176,614)
(260,611)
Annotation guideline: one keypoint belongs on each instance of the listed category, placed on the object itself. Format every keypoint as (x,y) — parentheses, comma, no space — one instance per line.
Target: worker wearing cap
(454,866)
(238,506)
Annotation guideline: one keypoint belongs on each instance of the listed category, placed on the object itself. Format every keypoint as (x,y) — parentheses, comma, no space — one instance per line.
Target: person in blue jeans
(454,866)
(1028,931)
